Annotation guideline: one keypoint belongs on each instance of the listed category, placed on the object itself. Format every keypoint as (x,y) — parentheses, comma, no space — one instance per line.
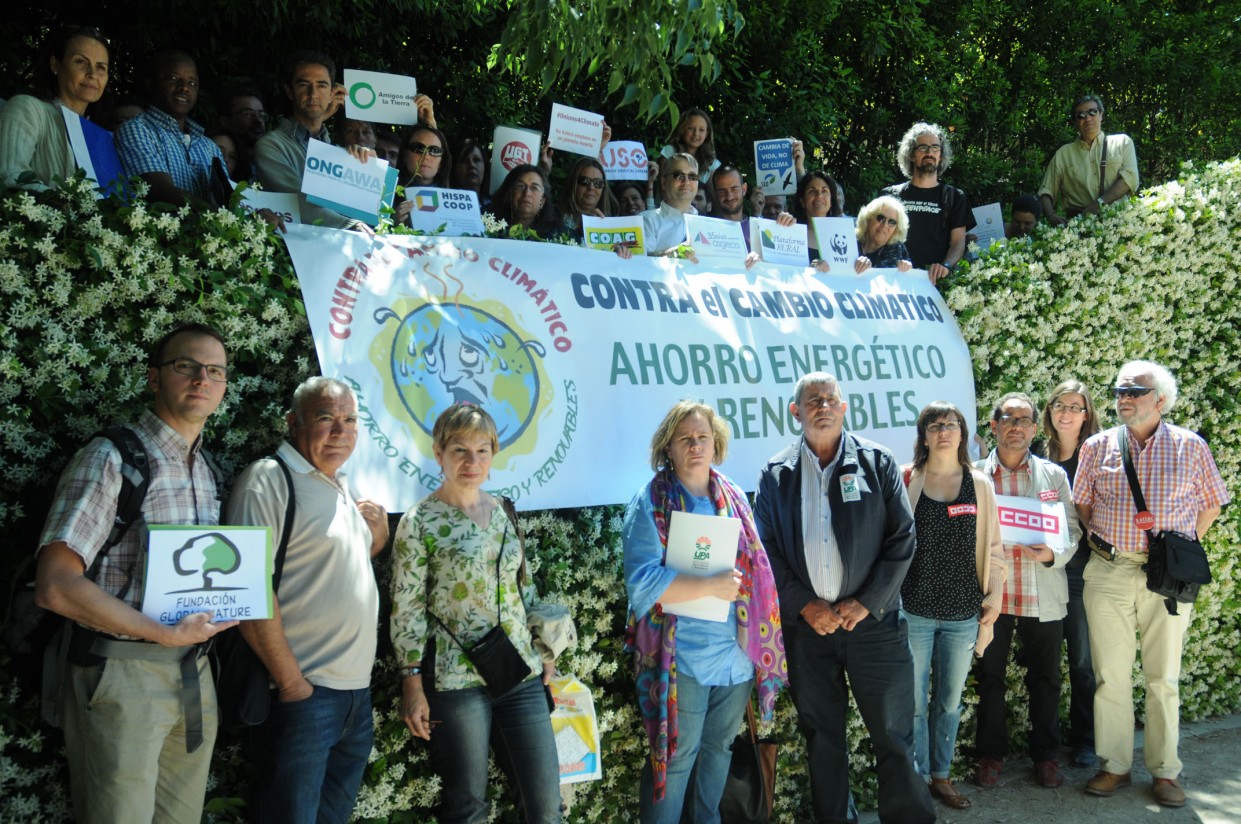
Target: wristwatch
(407,672)
(1100,201)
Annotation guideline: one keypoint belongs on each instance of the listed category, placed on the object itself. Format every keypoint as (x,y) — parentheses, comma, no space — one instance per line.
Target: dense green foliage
(848,78)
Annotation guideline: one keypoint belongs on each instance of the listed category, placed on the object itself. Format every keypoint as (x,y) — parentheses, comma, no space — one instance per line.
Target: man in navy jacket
(834,519)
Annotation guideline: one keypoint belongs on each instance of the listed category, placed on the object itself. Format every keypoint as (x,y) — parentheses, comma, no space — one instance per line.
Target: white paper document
(701,545)
(1031,521)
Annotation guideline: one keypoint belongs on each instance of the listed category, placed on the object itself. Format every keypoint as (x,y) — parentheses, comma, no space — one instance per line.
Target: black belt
(191,694)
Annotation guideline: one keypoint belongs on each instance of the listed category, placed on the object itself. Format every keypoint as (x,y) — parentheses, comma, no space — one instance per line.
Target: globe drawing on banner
(446,354)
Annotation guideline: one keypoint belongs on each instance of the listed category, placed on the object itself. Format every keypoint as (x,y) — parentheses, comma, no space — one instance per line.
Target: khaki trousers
(125,740)
(1119,607)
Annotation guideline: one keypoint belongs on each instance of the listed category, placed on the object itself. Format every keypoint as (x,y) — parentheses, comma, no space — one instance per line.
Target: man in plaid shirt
(1036,597)
(1184,493)
(138,735)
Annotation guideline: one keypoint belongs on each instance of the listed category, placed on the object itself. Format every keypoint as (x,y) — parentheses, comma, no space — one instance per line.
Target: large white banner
(578,354)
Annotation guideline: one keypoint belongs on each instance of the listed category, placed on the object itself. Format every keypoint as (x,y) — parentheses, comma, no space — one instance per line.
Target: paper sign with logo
(990,228)
(222,569)
(624,160)
(511,147)
(606,232)
(773,161)
(837,242)
(456,210)
(715,240)
(335,179)
(1031,521)
(284,204)
(780,244)
(575,130)
(94,151)
(378,97)
(576,731)
(701,545)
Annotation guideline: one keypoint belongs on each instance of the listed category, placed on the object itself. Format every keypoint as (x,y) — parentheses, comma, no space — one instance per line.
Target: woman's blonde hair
(668,427)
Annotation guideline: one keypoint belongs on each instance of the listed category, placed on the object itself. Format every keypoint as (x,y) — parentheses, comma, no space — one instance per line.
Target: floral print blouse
(439,540)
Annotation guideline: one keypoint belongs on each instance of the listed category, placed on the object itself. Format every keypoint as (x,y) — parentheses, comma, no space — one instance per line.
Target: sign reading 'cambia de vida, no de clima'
(577,354)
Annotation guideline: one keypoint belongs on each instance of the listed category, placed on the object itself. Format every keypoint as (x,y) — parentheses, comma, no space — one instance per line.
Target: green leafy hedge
(87,286)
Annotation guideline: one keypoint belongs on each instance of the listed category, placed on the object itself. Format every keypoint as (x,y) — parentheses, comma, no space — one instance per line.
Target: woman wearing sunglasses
(424,161)
(586,192)
(881,229)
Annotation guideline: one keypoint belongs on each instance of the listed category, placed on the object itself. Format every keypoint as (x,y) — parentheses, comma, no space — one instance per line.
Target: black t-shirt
(933,214)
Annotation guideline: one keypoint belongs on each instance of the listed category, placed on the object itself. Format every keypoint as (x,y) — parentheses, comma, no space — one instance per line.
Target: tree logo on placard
(448,353)
(362,95)
(206,555)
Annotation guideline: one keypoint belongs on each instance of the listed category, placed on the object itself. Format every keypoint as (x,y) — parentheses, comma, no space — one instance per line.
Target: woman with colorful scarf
(694,676)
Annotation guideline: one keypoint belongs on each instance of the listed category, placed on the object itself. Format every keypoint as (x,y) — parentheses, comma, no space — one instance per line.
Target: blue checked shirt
(152,142)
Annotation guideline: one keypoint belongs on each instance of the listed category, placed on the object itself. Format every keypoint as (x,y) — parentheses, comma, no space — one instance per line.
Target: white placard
(222,569)
(701,545)
(624,160)
(780,244)
(837,241)
(284,204)
(715,240)
(1031,521)
(378,97)
(575,130)
(776,172)
(606,232)
(990,228)
(511,148)
(456,210)
(337,180)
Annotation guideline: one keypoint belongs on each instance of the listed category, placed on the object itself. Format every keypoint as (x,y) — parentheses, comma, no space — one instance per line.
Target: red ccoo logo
(1029,520)
(514,154)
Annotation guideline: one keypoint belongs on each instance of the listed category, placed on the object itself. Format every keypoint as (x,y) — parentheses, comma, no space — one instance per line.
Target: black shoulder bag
(494,657)
(1176,566)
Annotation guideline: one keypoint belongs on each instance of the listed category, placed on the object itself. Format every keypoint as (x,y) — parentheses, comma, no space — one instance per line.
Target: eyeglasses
(1085,113)
(682,177)
(1067,407)
(928,148)
(522,188)
(1009,421)
(192,368)
(251,114)
(593,182)
(946,426)
(824,402)
(1132,391)
(418,148)
(884,220)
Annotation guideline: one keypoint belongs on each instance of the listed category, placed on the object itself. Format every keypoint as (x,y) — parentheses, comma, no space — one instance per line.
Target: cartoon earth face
(442,355)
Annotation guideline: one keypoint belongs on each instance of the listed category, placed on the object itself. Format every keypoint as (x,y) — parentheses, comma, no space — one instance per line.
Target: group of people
(923,222)
(847,565)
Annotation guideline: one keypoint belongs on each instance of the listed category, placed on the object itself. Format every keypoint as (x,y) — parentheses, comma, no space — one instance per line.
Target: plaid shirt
(1175,470)
(1020,589)
(153,142)
(182,491)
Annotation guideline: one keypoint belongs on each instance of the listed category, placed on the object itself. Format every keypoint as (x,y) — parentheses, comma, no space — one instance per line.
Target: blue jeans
(708,719)
(518,727)
(311,755)
(942,653)
(1081,668)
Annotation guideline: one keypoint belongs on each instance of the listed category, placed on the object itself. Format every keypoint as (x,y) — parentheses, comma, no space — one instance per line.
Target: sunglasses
(1132,391)
(419,148)
(1085,113)
(884,220)
(594,182)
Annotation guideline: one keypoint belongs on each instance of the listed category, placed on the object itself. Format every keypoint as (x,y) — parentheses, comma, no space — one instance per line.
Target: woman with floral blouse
(446,595)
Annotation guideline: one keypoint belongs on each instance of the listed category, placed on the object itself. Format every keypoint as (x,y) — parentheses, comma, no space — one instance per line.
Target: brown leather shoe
(943,789)
(987,771)
(1106,784)
(1168,792)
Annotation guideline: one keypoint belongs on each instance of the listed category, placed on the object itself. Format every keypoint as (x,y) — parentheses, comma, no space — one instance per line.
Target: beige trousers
(125,740)
(1119,607)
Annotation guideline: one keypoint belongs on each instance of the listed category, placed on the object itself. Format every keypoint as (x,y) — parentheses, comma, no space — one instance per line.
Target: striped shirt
(1175,470)
(182,491)
(1020,588)
(823,559)
(153,142)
